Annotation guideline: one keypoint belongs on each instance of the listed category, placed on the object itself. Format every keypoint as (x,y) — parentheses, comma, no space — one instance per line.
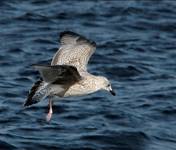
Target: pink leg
(49,115)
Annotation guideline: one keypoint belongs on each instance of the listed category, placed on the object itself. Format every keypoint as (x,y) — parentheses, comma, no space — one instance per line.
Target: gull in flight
(67,75)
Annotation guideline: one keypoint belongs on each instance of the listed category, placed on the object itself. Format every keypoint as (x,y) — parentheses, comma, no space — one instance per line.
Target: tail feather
(36,94)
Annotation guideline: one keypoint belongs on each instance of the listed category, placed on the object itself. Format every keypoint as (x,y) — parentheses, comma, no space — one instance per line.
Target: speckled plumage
(67,75)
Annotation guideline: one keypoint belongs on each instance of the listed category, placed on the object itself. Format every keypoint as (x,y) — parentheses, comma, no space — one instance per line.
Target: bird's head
(105,84)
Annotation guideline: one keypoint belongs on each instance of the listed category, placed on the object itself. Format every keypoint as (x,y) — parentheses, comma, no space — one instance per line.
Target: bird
(67,74)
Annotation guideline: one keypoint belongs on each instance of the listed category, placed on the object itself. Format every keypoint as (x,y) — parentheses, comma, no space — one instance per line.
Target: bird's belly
(78,90)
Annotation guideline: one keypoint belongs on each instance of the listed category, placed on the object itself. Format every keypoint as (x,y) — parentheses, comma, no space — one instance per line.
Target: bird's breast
(83,87)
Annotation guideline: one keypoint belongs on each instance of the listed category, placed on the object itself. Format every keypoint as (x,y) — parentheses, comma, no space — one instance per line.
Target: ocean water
(136,50)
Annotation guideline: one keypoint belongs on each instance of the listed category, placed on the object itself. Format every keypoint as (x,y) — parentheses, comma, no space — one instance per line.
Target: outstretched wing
(59,74)
(75,50)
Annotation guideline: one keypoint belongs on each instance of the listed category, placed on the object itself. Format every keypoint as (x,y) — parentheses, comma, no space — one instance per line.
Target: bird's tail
(37,93)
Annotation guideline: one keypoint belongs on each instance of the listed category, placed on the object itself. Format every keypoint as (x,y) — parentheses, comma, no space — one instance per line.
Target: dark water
(136,51)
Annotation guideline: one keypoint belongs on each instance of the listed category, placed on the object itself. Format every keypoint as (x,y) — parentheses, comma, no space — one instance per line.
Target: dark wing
(59,74)
(75,50)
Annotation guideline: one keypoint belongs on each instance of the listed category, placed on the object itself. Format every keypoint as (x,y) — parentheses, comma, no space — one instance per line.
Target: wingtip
(35,65)
(25,105)
(83,39)
(80,37)
(67,32)
(29,102)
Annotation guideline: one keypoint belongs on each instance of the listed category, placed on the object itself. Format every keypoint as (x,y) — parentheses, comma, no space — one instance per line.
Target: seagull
(67,75)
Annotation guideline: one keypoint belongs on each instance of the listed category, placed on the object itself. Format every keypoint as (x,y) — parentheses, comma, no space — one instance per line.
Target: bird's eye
(108,85)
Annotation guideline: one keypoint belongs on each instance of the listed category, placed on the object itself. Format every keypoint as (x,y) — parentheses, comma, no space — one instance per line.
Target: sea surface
(136,51)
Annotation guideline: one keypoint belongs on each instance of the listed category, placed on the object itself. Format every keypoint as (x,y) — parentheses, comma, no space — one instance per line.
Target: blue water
(136,50)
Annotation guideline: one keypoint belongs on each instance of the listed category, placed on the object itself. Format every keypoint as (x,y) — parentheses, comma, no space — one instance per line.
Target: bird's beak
(112,92)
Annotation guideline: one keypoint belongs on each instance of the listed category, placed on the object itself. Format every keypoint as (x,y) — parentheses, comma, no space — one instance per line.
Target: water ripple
(135,50)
